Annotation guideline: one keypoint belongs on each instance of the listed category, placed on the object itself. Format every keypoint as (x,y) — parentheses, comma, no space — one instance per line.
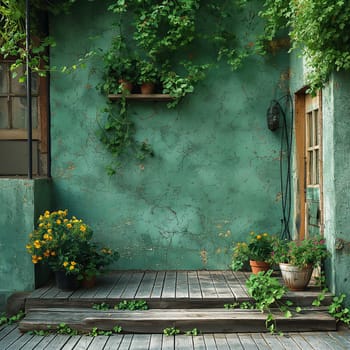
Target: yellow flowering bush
(59,241)
(258,247)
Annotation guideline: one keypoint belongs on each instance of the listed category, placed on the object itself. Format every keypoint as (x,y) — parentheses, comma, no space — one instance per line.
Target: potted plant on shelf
(297,259)
(257,250)
(148,75)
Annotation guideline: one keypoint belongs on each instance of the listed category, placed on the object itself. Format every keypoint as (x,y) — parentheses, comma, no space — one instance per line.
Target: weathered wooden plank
(237,290)
(260,341)
(39,342)
(300,341)
(221,342)
(247,342)
(288,343)
(146,285)
(83,343)
(181,285)
(209,341)
(39,292)
(233,341)
(194,285)
(125,343)
(20,342)
(168,342)
(140,342)
(220,284)
(169,285)
(156,342)
(58,342)
(133,286)
(98,343)
(322,341)
(183,342)
(10,338)
(119,287)
(101,289)
(207,285)
(158,285)
(342,337)
(198,342)
(6,330)
(72,341)
(50,292)
(272,341)
(113,342)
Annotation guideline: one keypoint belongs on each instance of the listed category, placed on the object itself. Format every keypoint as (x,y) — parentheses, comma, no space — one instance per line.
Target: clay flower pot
(294,277)
(258,266)
(147,88)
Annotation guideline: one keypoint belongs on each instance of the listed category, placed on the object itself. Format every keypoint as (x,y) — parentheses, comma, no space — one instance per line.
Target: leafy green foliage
(193,332)
(63,328)
(102,306)
(319,28)
(132,305)
(170,331)
(12,319)
(338,311)
(267,292)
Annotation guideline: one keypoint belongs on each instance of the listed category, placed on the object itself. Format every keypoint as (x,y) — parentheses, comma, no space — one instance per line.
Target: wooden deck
(12,339)
(162,289)
(171,292)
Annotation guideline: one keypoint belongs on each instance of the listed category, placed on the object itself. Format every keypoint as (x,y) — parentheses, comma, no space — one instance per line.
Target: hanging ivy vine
(318,28)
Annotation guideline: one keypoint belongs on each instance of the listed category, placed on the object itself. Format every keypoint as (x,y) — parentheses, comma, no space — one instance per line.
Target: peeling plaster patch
(204,256)
(278,197)
(225,234)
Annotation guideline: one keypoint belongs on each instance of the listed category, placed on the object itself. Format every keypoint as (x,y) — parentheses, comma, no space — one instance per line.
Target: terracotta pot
(88,282)
(66,282)
(258,266)
(147,88)
(296,278)
(126,85)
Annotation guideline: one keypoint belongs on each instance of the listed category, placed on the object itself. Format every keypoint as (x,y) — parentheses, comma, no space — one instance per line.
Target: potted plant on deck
(94,261)
(257,250)
(64,243)
(297,259)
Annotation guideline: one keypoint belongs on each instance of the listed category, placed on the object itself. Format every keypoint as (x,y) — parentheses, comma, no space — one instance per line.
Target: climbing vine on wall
(318,28)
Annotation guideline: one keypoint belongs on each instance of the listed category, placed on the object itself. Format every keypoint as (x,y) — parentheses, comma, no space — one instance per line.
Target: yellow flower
(37,244)
(66,263)
(41,218)
(49,230)
(58,222)
(41,224)
(69,225)
(265,234)
(34,259)
(258,237)
(53,253)
(82,228)
(28,246)
(71,267)
(48,225)
(65,220)
(46,236)
(47,253)
(46,212)
(40,258)
(73,263)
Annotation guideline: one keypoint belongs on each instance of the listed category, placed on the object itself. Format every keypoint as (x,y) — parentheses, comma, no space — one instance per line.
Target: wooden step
(155,320)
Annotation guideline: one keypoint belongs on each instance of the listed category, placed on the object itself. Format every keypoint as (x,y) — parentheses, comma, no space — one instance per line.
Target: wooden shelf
(142,97)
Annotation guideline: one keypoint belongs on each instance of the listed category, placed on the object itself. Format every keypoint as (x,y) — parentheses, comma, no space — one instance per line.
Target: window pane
(310,168)
(310,130)
(19,120)
(316,126)
(20,88)
(317,167)
(4,123)
(4,78)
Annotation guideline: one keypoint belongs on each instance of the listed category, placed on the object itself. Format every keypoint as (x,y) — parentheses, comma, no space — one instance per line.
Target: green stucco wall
(215,173)
(21,200)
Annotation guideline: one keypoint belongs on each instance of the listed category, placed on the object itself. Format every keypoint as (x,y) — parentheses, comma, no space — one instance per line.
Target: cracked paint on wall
(215,173)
